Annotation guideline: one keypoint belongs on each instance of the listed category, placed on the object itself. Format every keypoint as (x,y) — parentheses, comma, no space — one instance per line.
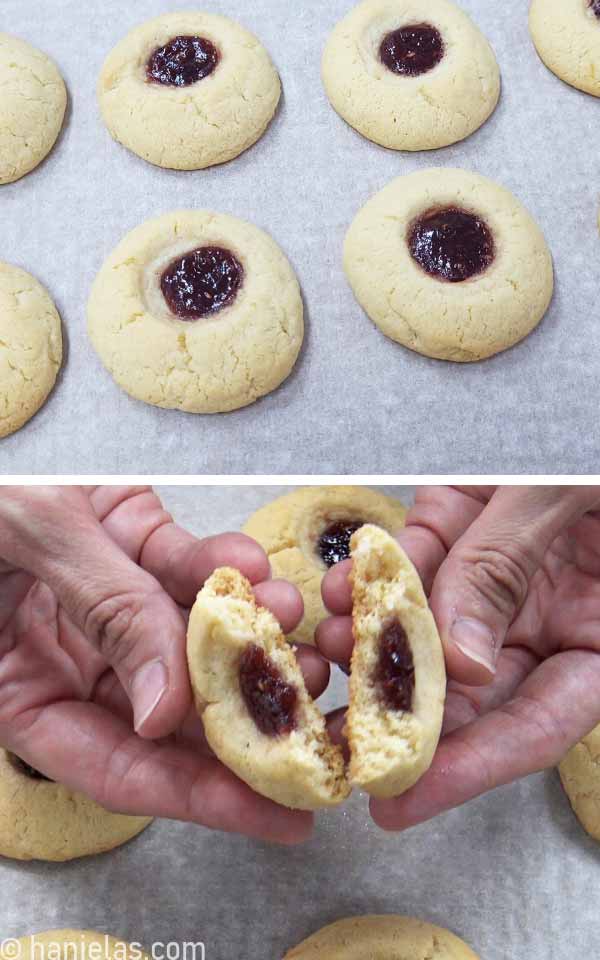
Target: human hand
(513,577)
(94,687)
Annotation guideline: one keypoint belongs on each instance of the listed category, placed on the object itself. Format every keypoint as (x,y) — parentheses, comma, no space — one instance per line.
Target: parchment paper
(512,873)
(357,403)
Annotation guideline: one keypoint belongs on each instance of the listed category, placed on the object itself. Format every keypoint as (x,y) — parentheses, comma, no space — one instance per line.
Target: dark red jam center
(30,772)
(451,244)
(183,61)
(334,542)
(202,282)
(395,672)
(270,700)
(413,50)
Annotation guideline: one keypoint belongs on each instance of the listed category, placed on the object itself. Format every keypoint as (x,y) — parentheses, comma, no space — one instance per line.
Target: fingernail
(148,687)
(475,641)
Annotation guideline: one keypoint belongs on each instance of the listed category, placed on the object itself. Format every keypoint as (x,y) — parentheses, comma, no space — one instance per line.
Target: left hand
(95,585)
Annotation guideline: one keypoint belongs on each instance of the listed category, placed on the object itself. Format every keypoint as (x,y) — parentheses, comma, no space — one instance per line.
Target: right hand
(513,577)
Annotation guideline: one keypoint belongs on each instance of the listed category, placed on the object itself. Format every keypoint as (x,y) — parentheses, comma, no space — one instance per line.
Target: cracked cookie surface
(406,108)
(193,125)
(460,321)
(211,364)
(566,34)
(33,100)
(384,937)
(42,820)
(30,347)
(289,529)
(580,776)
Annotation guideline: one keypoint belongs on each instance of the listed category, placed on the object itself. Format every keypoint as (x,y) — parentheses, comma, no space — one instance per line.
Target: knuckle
(479,761)
(22,509)
(500,576)
(547,730)
(31,505)
(209,800)
(117,791)
(110,625)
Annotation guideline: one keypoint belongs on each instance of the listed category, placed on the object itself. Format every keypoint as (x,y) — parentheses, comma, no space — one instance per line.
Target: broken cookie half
(398,678)
(258,717)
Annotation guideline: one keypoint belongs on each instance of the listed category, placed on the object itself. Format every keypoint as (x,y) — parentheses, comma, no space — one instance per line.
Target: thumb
(122,610)
(484,581)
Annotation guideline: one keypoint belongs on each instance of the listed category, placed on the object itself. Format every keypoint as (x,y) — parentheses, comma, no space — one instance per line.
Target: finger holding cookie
(508,572)
(95,700)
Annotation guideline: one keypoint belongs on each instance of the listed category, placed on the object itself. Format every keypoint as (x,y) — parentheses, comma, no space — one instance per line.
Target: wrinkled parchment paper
(357,402)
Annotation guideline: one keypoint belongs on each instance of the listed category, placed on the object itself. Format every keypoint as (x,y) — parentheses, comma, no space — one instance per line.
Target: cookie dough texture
(289,529)
(301,769)
(432,110)
(386,937)
(30,347)
(211,365)
(580,775)
(40,820)
(77,945)
(33,100)
(195,126)
(566,34)
(391,749)
(464,321)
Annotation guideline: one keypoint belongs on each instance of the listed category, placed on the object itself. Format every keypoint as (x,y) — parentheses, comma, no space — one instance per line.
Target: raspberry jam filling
(334,543)
(451,244)
(202,282)
(270,700)
(411,51)
(395,671)
(182,61)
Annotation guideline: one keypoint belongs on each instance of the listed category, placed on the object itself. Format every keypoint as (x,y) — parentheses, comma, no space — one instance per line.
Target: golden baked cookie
(566,34)
(386,937)
(305,532)
(188,90)
(411,74)
(42,820)
(398,677)
(449,264)
(197,311)
(580,776)
(258,716)
(33,100)
(30,347)
(75,945)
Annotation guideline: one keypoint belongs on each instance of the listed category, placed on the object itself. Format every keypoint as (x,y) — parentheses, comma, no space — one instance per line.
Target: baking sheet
(357,402)
(512,873)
